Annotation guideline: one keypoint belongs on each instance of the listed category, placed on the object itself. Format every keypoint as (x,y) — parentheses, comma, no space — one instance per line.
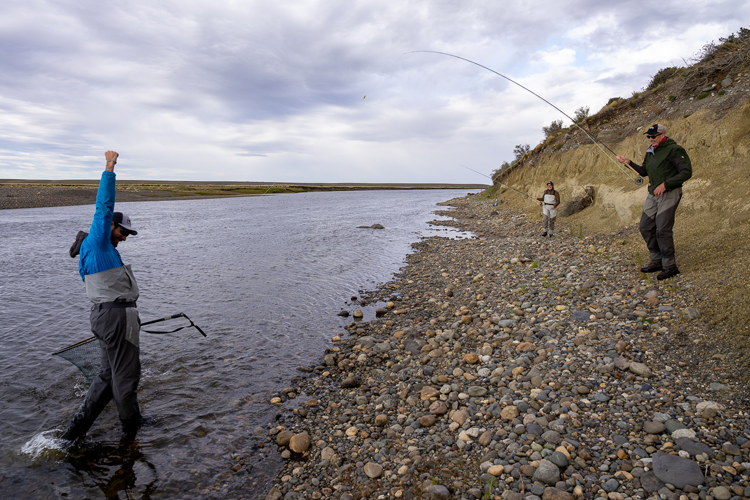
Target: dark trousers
(117,331)
(657,221)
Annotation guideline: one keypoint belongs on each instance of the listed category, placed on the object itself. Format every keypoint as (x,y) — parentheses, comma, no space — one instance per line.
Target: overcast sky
(262,91)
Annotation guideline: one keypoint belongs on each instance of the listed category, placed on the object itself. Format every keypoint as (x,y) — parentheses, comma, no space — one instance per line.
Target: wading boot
(652,268)
(668,273)
(75,432)
(130,427)
(544,234)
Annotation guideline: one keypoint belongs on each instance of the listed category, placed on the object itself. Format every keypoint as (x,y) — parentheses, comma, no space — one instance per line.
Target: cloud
(261,91)
(555,57)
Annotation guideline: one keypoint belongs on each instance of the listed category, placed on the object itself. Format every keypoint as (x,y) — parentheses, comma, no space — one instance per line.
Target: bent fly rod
(494,181)
(638,180)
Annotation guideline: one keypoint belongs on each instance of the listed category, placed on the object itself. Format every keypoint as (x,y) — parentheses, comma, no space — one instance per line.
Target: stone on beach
(640,369)
(676,470)
(283,437)
(509,412)
(547,473)
(428,392)
(299,443)
(373,470)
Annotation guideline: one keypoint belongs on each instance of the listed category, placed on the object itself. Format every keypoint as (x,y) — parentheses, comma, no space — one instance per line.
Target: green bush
(671,97)
(662,76)
(520,150)
(742,34)
(722,92)
(581,114)
(613,100)
(702,95)
(554,128)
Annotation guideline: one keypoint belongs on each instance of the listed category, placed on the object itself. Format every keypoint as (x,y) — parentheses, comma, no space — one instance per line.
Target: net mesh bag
(85,355)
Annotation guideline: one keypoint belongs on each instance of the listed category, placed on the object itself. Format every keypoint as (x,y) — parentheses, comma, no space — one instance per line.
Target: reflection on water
(263,276)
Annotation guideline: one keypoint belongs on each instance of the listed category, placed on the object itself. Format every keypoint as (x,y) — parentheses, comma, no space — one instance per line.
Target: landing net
(86,355)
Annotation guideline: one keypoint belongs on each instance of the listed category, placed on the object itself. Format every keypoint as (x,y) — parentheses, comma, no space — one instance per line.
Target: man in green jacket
(667,166)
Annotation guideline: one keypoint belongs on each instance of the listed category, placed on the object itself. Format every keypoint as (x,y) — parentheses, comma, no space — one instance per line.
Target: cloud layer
(252,91)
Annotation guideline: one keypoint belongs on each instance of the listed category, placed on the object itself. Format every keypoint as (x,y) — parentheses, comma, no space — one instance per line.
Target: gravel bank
(514,366)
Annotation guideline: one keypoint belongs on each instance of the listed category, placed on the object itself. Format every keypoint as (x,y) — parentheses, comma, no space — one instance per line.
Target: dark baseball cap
(656,129)
(123,220)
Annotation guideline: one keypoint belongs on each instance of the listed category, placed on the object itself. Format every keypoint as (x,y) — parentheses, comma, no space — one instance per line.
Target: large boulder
(578,203)
(677,470)
(299,443)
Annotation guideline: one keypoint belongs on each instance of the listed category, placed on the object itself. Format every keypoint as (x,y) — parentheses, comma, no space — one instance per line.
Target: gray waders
(117,326)
(657,221)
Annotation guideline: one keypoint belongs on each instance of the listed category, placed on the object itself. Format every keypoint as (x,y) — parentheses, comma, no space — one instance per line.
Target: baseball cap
(656,129)
(123,220)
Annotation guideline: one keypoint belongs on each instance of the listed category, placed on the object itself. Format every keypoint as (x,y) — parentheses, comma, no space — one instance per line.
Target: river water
(263,276)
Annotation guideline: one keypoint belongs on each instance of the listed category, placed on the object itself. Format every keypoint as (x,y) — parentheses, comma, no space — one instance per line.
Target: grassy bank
(36,193)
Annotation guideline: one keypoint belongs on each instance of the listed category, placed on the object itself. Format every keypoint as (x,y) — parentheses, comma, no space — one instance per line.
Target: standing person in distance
(111,287)
(549,201)
(667,166)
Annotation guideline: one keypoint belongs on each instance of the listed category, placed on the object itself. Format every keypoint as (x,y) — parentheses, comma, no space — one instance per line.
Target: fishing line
(596,141)
(494,181)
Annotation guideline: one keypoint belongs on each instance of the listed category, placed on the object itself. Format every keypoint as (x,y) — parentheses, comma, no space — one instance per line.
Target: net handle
(78,344)
(174,316)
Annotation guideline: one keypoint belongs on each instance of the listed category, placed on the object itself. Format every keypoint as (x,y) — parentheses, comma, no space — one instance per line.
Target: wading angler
(550,200)
(113,291)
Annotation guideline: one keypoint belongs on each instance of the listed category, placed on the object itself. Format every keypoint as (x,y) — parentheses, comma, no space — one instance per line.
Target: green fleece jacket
(668,163)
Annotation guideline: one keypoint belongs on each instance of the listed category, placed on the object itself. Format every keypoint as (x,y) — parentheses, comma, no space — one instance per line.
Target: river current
(263,276)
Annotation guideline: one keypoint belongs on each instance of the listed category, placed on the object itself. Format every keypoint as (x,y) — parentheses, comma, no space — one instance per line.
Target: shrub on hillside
(553,129)
(581,114)
(520,150)
(742,35)
(714,61)
(495,173)
(662,76)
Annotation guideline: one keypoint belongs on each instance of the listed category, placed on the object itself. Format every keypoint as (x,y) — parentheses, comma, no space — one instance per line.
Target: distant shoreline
(17,193)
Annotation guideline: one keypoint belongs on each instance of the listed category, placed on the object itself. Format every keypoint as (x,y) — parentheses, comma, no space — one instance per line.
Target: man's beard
(114,241)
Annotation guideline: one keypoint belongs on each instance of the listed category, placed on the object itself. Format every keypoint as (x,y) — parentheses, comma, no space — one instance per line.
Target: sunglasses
(652,136)
(124,231)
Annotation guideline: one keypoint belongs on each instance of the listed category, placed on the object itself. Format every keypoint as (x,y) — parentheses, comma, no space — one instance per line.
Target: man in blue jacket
(111,287)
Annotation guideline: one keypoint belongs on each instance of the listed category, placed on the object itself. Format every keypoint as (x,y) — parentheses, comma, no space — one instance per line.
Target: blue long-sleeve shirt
(97,252)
